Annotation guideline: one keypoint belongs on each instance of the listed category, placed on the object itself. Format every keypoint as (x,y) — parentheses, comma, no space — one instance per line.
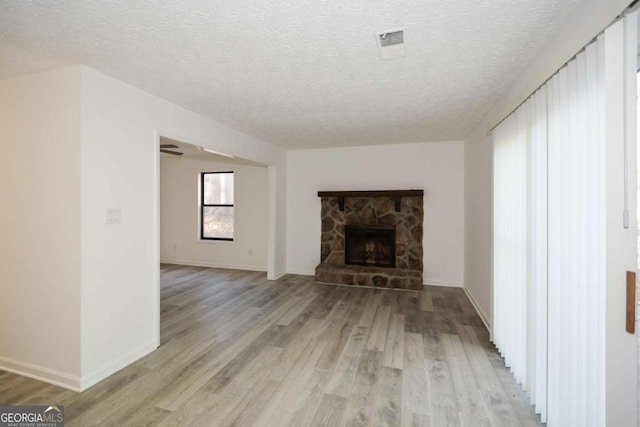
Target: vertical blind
(548,243)
(576,258)
(536,332)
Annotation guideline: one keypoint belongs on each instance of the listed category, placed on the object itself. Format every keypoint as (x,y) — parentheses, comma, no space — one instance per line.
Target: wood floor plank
(371,303)
(417,420)
(245,408)
(237,349)
(310,399)
(342,379)
(426,304)
(338,328)
(379,329)
(497,403)
(393,356)
(470,406)
(361,403)
(295,349)
(415,388)
(45,396)
(443,403)
(96,396)
(198,341)
(388,397)
(299,306)
(10,385)
(199,377)
(291,392)
(147,416)
(222,403)
(328,299)
(522,409)
(330,410)
(20,390)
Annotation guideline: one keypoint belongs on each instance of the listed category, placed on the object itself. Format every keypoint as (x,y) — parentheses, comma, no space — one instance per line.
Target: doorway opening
(213,213)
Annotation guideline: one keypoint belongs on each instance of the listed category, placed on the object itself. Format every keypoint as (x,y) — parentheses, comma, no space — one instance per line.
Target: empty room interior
(416,213)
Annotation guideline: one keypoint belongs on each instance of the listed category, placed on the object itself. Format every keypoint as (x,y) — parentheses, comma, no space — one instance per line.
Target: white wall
(179,225)
(478,202)
(118,260)
(40,226)
(120,169)
(80,297)
(621,243)
(436,167)
(278,183)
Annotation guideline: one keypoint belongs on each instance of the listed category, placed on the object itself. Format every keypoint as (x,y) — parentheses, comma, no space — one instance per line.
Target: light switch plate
(114,216)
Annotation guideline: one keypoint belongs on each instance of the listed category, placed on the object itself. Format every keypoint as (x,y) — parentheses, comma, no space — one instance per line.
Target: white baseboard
(118,364)
(40,373)
(478,310)
(279,275)
(448,284)
(212,265)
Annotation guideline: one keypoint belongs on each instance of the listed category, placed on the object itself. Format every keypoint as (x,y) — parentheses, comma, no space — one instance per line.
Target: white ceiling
(297,73)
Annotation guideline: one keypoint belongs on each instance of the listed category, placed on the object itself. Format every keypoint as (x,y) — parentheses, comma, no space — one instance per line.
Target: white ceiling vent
(391,43)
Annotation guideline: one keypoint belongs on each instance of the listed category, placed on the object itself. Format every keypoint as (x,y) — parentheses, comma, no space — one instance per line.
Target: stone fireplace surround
(402,209)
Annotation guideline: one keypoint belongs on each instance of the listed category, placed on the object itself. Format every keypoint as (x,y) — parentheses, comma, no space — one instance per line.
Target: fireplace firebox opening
(370,245)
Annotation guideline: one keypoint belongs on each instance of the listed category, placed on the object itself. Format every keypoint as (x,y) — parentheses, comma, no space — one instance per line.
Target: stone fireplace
(371,238)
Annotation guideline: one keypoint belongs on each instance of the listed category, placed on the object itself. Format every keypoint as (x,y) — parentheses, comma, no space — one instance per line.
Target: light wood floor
(239,350)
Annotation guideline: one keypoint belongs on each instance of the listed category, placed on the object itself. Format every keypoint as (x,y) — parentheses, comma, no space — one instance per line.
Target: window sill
(224,242)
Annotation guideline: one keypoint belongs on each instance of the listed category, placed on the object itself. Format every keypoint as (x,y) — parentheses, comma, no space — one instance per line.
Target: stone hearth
(405,213)
(378,277)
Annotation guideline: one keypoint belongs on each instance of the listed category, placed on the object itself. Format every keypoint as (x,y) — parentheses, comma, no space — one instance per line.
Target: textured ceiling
(297,73)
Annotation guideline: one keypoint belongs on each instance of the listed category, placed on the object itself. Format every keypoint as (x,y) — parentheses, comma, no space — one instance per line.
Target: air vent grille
(391,39)
(391,43)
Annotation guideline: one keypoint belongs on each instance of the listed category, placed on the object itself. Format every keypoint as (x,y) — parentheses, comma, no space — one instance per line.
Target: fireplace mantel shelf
(396,195)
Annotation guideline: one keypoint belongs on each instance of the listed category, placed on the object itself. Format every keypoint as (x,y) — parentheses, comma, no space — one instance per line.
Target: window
(216,206)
